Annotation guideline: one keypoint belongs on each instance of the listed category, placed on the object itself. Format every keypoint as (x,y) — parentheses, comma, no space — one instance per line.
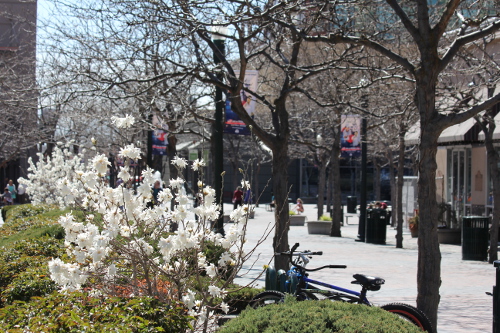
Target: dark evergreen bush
(317,317)
(35,281)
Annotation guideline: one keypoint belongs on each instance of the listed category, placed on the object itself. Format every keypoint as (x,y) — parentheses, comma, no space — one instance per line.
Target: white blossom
(124,174)
(224,307)
(131,152)
(101,164)
(214,291)
(179,162)
(198,164)
(125,122)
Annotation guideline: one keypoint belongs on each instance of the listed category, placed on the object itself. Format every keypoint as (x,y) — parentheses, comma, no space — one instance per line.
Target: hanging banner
(233,123)
(159,142)
(160,135)
(350,137)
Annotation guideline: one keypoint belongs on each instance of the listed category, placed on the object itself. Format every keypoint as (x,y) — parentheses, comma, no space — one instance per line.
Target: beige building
(18,89)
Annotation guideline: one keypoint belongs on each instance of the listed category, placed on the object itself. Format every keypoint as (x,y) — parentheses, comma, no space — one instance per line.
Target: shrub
(78,312)
(325,218)
(317,317)
(45,246)
(23,221)
(9,269)
(17,212)
(24,269)
(34,282)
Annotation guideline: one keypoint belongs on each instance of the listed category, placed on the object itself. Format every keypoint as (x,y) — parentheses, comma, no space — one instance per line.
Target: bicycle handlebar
(319,253)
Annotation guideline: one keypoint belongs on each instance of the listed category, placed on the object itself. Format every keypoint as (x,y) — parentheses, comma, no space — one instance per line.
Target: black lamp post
(218,37)
(362,200)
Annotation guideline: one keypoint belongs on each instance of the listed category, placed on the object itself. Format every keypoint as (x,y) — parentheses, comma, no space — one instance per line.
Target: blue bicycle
(297,282)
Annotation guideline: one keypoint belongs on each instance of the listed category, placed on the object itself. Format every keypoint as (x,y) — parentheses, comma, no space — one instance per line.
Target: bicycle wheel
(303,296)
(411,314)
(266,298)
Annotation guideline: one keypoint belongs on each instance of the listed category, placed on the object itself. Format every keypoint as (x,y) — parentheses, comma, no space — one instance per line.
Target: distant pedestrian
(12,189)
(156,190)
(299,207)
(237,197)
(7,198)
(21,194)
(248,197)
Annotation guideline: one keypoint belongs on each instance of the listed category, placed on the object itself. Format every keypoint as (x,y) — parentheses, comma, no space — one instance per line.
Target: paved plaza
(464,306)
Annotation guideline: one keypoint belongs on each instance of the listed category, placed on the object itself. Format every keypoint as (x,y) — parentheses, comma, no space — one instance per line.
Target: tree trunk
(376,179)
(493,160)
(495,177)
(280,188)
(429,255)
(398,215)
(171,153)
(256,188)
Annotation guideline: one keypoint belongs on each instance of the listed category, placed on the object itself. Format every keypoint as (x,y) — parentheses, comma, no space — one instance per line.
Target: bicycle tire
(411,314)
(266,298)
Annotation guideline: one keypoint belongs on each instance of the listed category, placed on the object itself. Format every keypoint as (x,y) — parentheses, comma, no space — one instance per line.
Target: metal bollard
(496,299)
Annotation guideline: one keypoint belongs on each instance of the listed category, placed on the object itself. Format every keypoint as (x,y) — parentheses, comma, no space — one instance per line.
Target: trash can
(475,237)
(351,204)
(376,226)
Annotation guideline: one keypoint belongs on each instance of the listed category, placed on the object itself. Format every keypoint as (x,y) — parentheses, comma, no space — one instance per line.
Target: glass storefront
(459,182)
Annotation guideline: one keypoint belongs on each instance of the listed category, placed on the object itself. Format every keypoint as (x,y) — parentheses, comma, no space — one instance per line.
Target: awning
(466,131)
(457,133)
(188,145)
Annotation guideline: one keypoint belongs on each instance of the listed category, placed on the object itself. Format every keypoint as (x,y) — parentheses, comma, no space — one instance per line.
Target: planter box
(227,218)
(450,236)
(319,227)
(297,220)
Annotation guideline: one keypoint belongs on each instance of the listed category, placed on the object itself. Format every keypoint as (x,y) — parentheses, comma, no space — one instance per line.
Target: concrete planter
(449,236)
(227,218)
(297,220)
(319,227)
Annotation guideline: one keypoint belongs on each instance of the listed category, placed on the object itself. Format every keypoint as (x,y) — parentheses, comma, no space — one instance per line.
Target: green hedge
(78,312)
(317,317)
(28,221)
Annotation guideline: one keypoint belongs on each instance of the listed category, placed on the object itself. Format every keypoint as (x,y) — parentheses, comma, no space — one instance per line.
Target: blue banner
(350,137)
(160,142)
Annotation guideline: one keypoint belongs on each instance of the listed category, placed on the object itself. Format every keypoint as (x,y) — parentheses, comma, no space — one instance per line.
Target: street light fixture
(218,36)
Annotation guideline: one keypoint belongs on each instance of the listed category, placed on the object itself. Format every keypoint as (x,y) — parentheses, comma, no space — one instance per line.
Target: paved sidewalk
(464,306)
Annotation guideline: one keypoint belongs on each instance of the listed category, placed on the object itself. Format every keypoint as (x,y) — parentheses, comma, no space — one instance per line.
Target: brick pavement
(464,306)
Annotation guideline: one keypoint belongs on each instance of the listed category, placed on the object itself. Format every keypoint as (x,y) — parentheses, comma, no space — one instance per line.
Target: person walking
(12,189)
(21,194)
(237,197)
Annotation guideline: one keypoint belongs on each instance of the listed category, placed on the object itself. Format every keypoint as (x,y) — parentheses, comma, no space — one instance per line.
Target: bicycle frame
(348,295)
(304,281)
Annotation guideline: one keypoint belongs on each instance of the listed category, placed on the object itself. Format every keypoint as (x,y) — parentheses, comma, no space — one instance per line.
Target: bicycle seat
(368,282)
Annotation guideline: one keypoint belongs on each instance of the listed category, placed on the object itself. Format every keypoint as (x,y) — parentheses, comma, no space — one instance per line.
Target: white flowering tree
(123,246)
(46,179)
